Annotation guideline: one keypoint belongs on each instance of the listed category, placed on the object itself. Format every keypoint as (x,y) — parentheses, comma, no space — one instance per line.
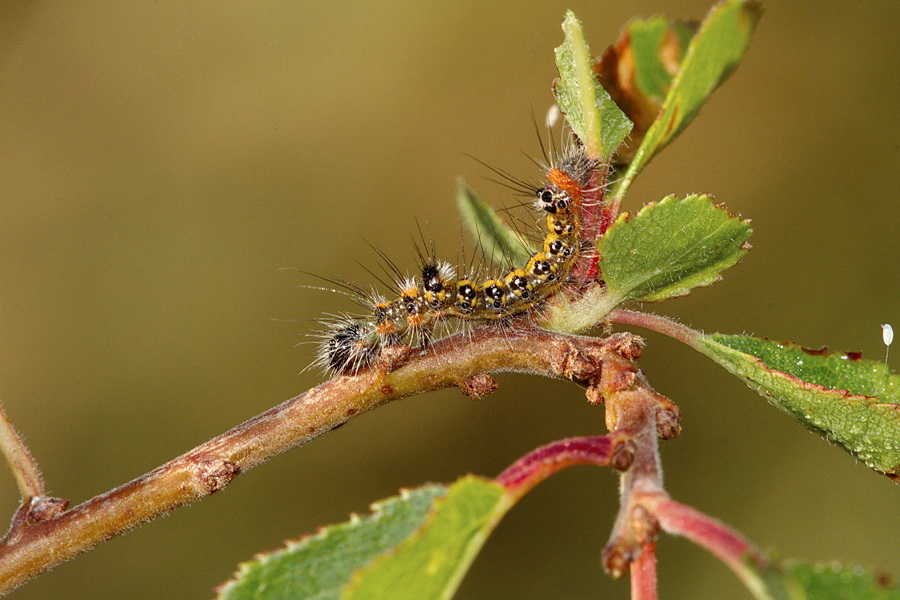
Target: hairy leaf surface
(589,109)
(852,402)
(670,247)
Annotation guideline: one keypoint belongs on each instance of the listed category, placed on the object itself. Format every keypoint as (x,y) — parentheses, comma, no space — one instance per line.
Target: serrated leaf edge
(290,545)
(790,346)
(626,217)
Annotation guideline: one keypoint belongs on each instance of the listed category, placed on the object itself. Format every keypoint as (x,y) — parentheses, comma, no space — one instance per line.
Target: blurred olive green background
(161,161)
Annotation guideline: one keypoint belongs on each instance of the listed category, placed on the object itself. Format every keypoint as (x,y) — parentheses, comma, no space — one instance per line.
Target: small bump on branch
(478,386)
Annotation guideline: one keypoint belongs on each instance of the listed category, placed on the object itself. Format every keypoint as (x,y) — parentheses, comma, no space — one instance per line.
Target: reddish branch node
(42,508)
(637,416)
(622,453)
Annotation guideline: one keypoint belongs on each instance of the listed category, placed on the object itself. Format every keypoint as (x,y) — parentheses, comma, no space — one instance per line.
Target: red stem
(643,574)
(610,208)
(725,544)
(594,222)
(536,466)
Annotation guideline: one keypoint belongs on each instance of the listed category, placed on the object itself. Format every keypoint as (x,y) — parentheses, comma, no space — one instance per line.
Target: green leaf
(714,52)
(836,582)
(500,244)
(802,581)
(646,39)
(319,566)
(590,111)
(854,403)
(637,71)
(415,546)
(670,247)
(431,564)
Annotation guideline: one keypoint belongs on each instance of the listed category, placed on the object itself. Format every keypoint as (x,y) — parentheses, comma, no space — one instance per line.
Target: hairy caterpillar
(352,343)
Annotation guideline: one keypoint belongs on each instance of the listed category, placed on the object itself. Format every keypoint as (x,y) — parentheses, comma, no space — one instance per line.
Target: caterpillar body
(353,343)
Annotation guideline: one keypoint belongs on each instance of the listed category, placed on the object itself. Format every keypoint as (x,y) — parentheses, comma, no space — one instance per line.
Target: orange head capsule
(562,180)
